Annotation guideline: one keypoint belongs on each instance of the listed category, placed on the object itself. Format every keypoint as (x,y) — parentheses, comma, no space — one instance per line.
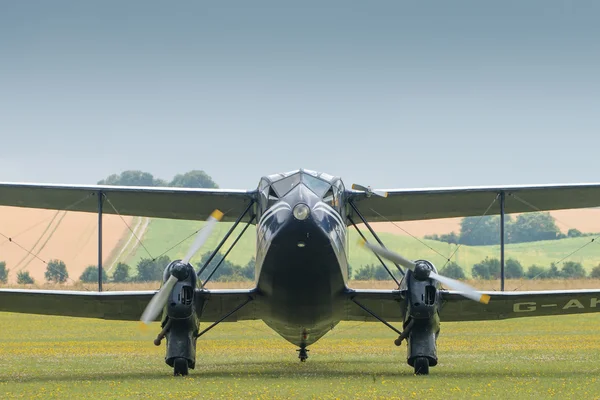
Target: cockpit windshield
(284,183)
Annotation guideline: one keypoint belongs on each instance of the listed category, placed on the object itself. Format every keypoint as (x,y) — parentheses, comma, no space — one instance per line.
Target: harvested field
(41,235)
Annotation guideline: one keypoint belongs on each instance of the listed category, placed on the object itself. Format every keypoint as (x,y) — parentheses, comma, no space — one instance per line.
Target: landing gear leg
(302,354)
(180,367)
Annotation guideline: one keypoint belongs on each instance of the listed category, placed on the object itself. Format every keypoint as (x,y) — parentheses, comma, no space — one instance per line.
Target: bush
(56,271)
(23,278)
(553,272)
(513,269)
(3,272)
(453,270)
(149,270)
(248,270)
(90,274)
(573,270)
(574,233)
(535,271)
(366,273)
(489,268)
(121,273)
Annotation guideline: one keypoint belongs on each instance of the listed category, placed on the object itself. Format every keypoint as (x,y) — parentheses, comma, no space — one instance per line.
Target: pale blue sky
(391,94)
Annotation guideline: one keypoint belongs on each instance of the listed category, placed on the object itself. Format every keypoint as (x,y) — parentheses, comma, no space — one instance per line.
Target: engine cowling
(181,300)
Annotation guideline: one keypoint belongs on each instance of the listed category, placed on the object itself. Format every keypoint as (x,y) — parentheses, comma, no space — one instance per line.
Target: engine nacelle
(422,301)
(180,319)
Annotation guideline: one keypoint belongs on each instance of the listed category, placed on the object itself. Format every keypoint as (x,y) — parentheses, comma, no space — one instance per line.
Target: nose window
(284,185)
(317,185)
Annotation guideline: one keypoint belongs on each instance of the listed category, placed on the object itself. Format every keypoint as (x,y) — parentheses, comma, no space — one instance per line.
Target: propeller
(369,191)
(467,291)
(159,300)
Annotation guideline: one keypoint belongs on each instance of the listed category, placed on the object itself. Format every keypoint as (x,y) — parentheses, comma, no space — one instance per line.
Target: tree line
(191,179)
(151,270)
(489,268)
(484,231)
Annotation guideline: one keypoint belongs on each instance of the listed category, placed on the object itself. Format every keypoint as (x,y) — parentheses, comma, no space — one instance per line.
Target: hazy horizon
(387,94)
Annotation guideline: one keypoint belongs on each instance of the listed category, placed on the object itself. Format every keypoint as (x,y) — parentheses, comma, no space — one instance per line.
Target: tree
(193,179)
(121,273)
(151,270)
(130,178)
(553,272)
(489,268)
(453,270)
(532,227)
(535,271)
(56,271)
(380,273)
(573,270)
(3,272)
(90,274)
(226,268)
(595,272)
(574,233)
(23,278)
(480,231)
(248,270)
(366,273)
(513,269)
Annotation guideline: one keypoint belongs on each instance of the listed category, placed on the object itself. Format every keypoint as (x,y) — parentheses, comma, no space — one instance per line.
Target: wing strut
(376,255)
(216,250)
(227,252)
(374,235)
(248,300)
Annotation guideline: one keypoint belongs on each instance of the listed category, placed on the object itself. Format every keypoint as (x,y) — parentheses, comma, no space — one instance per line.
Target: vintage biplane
(301,289)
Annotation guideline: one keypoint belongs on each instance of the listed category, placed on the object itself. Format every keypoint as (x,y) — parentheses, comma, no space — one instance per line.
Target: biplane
(301,286)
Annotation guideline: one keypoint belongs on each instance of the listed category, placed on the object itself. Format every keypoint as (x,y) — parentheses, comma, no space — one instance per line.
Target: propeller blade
(467,291)
(369,191)
(156,305)
(158,301)
(390,255)
(203,235)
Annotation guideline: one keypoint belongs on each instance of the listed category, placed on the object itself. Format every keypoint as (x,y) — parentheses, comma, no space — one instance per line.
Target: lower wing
(390,304)
(126,306)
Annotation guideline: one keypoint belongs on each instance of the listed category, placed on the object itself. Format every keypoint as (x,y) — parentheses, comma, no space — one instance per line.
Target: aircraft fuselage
(302,265)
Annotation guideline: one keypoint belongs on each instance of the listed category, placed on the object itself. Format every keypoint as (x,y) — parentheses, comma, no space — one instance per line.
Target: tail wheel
(421,366)
(180,367)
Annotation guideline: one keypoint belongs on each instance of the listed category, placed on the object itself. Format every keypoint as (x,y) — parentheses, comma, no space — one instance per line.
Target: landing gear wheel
(421,366)
(302,354)
(180,367)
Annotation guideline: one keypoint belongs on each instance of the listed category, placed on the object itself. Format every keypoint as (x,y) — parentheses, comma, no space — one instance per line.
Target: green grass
(57,357)
(162,234)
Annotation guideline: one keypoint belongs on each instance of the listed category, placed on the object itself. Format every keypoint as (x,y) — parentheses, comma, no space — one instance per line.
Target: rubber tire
(180,367)
(421,366)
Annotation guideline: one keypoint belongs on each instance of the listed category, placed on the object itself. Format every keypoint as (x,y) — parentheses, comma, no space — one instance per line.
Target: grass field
(543,357)
(164,234)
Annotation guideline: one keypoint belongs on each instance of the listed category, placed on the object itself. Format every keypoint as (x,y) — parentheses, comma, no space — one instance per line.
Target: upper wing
(160,202)
(418,204)
(389,305)
(126,306)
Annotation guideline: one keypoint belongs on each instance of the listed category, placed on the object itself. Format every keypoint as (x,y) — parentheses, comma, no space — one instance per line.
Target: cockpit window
(317,185)
(284,185)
